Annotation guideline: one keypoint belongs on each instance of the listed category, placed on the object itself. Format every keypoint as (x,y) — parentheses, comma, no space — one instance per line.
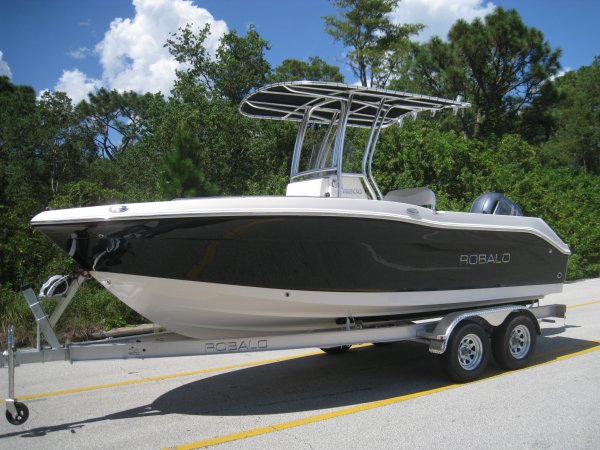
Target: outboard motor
(495,203)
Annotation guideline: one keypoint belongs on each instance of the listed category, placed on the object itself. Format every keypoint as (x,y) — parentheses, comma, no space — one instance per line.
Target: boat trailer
(464,339)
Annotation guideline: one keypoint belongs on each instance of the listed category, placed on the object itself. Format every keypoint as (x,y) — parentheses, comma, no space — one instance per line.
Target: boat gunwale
(322,212)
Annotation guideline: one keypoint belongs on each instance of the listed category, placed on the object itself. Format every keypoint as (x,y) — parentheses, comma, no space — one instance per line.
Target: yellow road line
(595,302)
(311,419)
(161,377)
(355,409)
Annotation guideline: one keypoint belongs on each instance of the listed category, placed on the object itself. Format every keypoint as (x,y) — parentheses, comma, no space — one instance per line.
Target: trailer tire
(22,414)
(514,341)
(467,353)
(336,350)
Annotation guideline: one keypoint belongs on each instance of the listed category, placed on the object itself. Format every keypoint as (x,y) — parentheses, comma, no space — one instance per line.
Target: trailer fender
(491,317)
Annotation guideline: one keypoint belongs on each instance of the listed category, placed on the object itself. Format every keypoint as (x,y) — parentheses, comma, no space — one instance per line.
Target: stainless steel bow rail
(464,339)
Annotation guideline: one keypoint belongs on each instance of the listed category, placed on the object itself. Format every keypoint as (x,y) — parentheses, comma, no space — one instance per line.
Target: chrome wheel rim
(519,342)
(470,352)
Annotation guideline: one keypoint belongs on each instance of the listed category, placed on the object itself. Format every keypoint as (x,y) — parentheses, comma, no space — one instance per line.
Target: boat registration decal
(484,258)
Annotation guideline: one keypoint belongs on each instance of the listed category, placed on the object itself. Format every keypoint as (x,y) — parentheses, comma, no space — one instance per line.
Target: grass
(93,309)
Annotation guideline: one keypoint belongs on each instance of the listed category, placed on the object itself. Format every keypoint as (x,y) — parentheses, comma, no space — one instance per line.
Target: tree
(577,139)
(240,65)
(188,48)
(181,171)
(65,147)
(498,64)
(20,178)
(115,120)
(206,97)
(34,137)
(538,121)
(314,70)
(41,144)
(18,138)
(457,169)
(378,47)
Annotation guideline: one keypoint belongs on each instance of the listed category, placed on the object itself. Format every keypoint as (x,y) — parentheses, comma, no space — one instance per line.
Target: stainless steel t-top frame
(342,105)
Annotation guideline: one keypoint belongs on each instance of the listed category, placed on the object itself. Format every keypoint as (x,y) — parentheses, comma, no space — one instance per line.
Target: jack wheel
(22,414)
(336,350)
(468,352)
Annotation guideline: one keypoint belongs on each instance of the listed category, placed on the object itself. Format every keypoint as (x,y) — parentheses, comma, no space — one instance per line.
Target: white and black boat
(333,250)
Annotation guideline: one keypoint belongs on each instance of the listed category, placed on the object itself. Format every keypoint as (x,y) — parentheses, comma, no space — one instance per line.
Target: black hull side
(313,253)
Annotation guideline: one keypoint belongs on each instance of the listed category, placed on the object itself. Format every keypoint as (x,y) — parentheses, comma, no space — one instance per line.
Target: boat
(333,252)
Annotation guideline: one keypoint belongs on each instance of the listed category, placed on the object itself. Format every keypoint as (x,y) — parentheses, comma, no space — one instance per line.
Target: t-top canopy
(290,101)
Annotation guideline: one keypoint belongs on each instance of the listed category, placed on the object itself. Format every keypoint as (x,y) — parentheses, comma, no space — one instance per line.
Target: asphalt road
(393,396)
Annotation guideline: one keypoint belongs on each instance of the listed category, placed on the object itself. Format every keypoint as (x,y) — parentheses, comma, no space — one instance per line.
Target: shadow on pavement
(312,383)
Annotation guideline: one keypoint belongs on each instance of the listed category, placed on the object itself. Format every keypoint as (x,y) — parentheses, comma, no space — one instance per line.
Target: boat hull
(312,253)
(258,266)
(213,311)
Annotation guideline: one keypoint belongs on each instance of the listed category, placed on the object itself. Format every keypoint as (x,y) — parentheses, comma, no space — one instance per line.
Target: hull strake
(207,310)
(312,253)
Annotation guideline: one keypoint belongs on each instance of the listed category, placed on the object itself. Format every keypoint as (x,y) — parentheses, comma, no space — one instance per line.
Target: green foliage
(15,312)
(416,155)
(93,309)
(577,140)
(239,66)
(64,147)
(181,173)
(187,47)
(498,63)
(537,122)
(85,193)
(314,70)
(21,171)
(115,120)
(378,47)
(24,253)
(568,201)
(269,157)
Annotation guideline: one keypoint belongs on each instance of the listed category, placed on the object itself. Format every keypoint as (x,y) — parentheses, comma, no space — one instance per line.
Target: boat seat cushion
(420,196)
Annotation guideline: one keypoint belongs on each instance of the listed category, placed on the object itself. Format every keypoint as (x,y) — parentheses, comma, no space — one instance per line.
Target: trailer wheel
(468,352)
(22,414)
(514,341)
(336,350)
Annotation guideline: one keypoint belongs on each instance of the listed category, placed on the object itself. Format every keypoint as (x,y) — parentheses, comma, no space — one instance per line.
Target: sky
(77,46)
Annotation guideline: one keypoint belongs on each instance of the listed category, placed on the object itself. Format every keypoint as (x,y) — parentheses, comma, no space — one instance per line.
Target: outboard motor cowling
(495,203)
